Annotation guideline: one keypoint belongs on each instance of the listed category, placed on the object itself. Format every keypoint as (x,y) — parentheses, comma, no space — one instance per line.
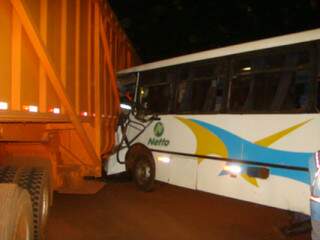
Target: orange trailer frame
(59,97)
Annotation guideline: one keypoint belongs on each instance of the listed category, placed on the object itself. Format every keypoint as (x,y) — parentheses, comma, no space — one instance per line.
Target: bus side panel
(268,140)
(285,188)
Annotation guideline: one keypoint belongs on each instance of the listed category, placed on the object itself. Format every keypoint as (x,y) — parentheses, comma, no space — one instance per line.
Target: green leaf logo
(158,129)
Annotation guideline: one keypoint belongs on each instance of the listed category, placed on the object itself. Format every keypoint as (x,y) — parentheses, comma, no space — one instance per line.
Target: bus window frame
(313,47)
(128,81)
(212,61)
(309,46)
(165,82)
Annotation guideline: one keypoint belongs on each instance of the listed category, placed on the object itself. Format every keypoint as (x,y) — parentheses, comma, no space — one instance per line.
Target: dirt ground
(120,212)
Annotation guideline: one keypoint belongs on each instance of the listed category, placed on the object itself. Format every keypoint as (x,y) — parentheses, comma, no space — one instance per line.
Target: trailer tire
(15,213)
(144,168)
(36,181)
(7,174)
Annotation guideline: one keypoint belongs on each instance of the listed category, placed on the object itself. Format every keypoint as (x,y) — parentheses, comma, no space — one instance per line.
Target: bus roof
(284,40)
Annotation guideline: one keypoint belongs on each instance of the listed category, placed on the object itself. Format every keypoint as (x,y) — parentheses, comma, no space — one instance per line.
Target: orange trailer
(59,102)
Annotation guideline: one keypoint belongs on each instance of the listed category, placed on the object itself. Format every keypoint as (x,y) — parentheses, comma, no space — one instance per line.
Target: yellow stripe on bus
(207,142)
(267,141)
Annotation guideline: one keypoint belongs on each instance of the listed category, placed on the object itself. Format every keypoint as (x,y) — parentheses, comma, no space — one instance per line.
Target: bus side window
(294,88)
(184,92)
(127,85)
(127,93)
(241,83)
(215,93)
(274,81)
(253,84)
(155,92)
(212,96)
(200,89)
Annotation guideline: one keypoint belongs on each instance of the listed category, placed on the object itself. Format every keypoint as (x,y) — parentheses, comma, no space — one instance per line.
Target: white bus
(239,121)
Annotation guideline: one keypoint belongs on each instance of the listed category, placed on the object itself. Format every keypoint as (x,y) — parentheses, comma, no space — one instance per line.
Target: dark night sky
(168,28)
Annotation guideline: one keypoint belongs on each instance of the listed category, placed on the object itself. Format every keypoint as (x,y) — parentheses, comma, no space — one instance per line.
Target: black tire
(36,181)
(7,174)
(15,213)
(129,162)
(144,169)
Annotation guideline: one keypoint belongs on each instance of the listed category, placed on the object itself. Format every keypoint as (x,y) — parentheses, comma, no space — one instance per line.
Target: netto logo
(158,129)
(158,140)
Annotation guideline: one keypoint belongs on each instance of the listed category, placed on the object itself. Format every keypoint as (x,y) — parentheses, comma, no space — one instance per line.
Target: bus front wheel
(142,167)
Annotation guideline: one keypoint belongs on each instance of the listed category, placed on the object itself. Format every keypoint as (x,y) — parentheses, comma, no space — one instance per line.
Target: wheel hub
(144,172)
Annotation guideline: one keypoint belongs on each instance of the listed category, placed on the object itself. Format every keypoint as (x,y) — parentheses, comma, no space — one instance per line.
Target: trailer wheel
(144,169)
(7,174)
(15,213)
(36,181)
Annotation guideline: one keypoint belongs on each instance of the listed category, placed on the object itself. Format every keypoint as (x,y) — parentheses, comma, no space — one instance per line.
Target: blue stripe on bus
(239,148)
